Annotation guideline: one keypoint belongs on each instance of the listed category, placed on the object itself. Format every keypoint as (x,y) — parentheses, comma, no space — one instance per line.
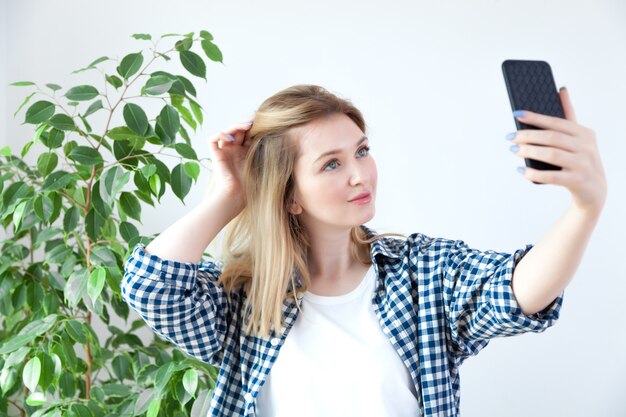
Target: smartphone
(531,86)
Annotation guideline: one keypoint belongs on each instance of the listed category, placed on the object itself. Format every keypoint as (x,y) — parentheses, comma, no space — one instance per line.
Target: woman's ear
(294,208)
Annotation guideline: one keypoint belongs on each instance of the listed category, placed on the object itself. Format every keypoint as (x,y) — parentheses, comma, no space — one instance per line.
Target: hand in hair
(228,153)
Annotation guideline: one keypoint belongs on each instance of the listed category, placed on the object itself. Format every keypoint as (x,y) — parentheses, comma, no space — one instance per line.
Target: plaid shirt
(438,301)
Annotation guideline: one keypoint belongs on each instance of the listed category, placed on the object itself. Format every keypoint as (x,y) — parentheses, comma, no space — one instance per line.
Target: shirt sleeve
(179,301)
(479,299)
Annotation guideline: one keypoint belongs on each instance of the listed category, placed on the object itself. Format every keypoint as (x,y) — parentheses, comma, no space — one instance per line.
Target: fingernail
(519,113)
(230,137)
(562,88)
(521,170)
(510,136)
(248,123)
(514,148)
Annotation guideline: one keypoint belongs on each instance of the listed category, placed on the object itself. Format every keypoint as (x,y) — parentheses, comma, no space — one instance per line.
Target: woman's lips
(362,199)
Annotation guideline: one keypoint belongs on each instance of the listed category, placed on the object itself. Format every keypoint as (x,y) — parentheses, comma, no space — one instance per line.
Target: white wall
(427,76)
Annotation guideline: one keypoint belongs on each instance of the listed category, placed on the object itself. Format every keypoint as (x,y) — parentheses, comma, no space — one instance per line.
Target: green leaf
(46,162)
(54,87)
(122,133)
(16,358)
(96,283)
(167,124)
(70,219)
(128,231)
(92,65)
(188,86)
(39,112)
(153,409)
(93,107)
(192,169)
(53,139)
(142,36)
(66,385)
(8,377)
(116,390)
(80,410)
(206,35)
(197,111)
(22,83)
(18,214)
(183,44)
(114,80)
(75,288)
(158,84)
(181,182)
(185,151)
(130,64)
(155,185)
(36,398)
(93,224)
(62,122)
(43,207)
(28,334)
(85,155)
(193,63)
(82,93)
(26,100)
(47,370)
(5,151)
(185,113)
(57,180)
(212,51)
(121,367)
(112,183)
(130,205)
(75,330)
(190,381)
(136,118)
(31,373)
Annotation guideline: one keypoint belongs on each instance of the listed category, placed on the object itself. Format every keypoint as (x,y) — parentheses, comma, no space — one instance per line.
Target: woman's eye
(334,161)
(329,164)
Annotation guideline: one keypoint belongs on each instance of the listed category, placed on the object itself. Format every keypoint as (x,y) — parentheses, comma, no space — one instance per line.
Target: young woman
(311,313)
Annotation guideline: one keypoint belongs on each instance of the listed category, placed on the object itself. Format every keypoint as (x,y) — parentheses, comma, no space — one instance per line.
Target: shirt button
(248,397)
(275,341)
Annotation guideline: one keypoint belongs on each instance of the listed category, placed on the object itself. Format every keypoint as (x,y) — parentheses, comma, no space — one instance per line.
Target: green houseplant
(69,226)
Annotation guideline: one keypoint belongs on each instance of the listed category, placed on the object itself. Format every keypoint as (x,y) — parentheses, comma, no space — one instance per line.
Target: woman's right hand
(227,157)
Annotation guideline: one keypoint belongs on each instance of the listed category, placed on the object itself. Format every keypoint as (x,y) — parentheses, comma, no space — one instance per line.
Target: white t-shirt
(336,361)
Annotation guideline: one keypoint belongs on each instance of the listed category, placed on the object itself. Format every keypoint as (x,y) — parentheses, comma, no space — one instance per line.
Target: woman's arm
(547,269)
(544,272)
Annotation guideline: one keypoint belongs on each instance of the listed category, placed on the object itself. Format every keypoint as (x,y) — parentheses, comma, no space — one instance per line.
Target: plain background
(427,77)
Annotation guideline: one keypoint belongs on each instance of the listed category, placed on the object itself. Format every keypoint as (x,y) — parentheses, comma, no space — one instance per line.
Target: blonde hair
(265,246)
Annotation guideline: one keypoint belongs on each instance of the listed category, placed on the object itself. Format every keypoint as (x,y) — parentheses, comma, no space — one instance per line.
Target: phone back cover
(531,86)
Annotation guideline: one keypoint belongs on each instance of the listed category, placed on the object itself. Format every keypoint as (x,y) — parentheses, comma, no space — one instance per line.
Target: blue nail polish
(521,170)
(230,137)
(514,148)
(511,136)
(519,113)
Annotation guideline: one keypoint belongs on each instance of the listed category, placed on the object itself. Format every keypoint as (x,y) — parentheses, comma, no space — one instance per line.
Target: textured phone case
(531,86)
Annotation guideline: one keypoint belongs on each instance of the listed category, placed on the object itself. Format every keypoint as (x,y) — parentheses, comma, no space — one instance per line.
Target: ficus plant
(70,222)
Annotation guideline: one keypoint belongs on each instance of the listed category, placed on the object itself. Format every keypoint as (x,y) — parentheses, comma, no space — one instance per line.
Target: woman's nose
(356,174)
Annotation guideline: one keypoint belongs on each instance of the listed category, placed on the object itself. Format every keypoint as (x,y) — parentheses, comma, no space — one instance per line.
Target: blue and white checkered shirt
(438,301)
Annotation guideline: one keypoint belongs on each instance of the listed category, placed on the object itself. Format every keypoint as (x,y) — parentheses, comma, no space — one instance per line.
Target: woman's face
(334,166)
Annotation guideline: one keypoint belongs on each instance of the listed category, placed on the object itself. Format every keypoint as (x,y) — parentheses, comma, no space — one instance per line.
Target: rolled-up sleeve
(479,299)
(179,301)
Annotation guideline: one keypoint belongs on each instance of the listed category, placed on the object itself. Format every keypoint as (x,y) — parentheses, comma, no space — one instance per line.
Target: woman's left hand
(569,145)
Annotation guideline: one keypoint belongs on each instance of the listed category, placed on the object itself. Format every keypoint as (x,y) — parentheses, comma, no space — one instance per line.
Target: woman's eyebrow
(334,151)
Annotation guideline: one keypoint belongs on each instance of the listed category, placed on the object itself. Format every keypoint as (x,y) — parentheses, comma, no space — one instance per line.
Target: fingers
(547,138)
(554,156)
(233,134)
(550,122)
